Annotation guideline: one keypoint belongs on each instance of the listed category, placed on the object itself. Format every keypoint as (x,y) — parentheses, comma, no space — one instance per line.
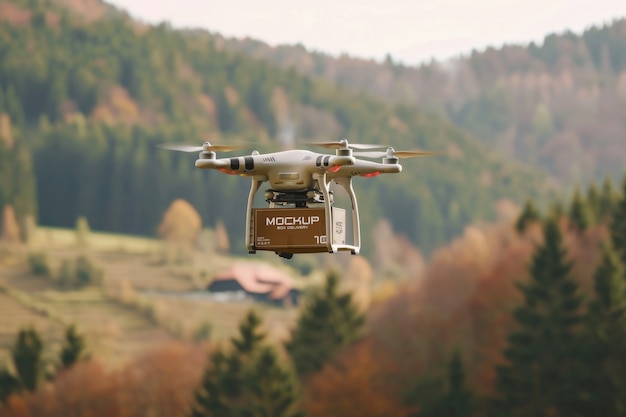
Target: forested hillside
(559,105)
(524,317)
(90,94)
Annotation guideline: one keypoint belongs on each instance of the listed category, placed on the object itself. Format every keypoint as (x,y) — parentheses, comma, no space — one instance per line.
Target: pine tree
(603,360)
(455,401)
(529,214)
(607,199)
(248,380)
(273,387)
(618,225)
(14,106)
(459,398)
(27,358)
(9,384)
(556,210)
(329,321)
(579,214)
(73,348)
(250,334)
(537,380)
(593,201)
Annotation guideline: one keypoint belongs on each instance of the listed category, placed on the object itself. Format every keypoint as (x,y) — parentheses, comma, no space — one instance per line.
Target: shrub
(203,332)
(38,263)
(80,273)
(86,273)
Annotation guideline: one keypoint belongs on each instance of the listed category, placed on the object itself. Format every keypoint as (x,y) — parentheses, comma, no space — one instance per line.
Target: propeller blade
(365,146)
(340,145)
(227,148)
(181,148)
(413,154)
(397,154)
(209,147)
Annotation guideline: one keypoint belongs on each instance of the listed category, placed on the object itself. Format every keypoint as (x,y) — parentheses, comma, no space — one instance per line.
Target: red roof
(259,279)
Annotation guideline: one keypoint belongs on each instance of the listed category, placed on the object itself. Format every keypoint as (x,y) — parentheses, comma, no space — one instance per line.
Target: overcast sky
(411,31)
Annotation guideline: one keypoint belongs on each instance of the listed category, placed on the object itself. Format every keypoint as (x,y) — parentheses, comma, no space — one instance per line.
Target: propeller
(344,144)
(391,153)
(207,147)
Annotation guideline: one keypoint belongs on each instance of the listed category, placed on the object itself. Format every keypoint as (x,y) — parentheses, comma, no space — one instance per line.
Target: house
(258,281)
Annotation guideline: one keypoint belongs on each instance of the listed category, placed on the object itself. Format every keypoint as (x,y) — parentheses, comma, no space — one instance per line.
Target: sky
(410,31)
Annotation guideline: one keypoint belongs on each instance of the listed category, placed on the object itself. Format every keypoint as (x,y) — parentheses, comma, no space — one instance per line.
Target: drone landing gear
(324,227)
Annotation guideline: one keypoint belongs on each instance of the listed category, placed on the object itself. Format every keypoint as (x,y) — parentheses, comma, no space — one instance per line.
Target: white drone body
(300,179)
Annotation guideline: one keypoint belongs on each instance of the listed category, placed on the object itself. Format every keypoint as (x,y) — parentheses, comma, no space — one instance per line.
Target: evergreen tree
(537,381)
(250,334)
(3,108)
(603,360)
(14,106)
(618,224)
(73,348)
(593,201)
(273,387)
(247,381)
(455,401)
(556,210)
(529,214)
(27,358)
(579,214)
(329,321)
(607,199)
(9,384)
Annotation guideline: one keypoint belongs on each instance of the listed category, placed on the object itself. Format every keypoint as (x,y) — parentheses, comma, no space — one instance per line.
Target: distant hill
(560,106)
(90,92)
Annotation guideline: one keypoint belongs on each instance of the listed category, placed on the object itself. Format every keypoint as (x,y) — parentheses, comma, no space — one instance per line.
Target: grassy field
(135,308)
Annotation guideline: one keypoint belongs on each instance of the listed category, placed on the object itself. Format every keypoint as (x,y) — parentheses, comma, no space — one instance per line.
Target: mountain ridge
(557,106)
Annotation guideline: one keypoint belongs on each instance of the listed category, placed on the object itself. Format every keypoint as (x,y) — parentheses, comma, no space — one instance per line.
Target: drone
(301,216)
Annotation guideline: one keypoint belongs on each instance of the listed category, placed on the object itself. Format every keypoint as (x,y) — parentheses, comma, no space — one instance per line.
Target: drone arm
(339,161)
(212,163)
(365,169)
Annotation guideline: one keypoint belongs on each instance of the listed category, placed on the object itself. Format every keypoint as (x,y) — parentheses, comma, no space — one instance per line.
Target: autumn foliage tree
(10,228)
(354,385)
(181,223)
